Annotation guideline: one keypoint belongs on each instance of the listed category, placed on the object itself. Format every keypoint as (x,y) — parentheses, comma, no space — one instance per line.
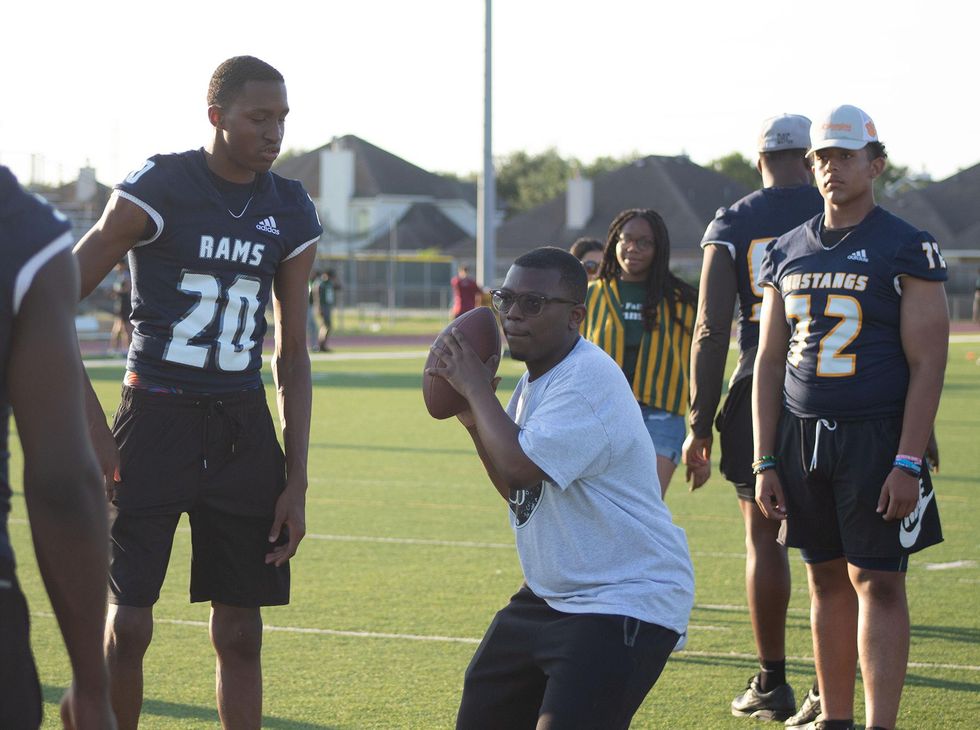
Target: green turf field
(409,555)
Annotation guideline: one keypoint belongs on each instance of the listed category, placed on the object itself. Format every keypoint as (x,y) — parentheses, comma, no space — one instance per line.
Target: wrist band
(909,467)
(906,457)
(763,463)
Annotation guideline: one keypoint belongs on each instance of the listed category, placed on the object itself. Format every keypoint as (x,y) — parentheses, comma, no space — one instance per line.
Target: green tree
(738,168)
(898,179)
(525,181)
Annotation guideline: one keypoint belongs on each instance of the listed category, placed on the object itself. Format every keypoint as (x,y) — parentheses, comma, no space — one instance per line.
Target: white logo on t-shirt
(523,502)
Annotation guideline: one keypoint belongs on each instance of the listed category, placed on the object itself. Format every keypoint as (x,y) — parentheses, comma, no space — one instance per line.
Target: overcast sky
(111,83)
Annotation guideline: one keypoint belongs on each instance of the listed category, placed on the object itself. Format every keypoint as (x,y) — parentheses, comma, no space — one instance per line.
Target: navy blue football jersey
(203,277)
(845,357)
(31,233)
(745,229)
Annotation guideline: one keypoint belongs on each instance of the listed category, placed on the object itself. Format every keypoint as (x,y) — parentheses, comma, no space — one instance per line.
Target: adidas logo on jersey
(859,255)
(269,226)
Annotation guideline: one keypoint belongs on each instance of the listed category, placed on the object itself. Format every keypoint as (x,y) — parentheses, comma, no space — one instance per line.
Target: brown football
(479,327)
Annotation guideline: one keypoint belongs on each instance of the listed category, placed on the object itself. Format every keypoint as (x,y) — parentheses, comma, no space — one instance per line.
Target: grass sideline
(409,555)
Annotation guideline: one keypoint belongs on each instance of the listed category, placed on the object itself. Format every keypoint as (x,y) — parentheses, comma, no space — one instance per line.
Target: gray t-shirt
(596,537)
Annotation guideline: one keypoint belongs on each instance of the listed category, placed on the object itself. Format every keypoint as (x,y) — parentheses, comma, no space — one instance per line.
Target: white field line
(510,546)
(469,640)
(112,362)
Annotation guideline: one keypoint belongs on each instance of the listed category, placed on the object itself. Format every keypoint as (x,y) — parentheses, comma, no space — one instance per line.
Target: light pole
(486,243)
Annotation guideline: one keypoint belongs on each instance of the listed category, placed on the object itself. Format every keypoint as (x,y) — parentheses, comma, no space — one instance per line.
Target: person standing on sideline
(642,315)
(852,351)
(734,245)
(213,235)
(589,252)
(38,297)
(122,327)
(466,292)
(586,637)
(976,301)
(312,329)
(327,287)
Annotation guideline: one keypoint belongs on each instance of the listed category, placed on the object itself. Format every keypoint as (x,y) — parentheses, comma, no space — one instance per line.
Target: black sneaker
(778,704)
(809,711)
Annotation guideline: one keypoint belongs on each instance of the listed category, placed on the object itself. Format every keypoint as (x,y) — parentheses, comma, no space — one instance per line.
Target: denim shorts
(667,431)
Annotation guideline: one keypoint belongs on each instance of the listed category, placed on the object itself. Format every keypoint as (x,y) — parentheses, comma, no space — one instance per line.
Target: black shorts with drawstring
(582,670)
(832,473)
(216,458)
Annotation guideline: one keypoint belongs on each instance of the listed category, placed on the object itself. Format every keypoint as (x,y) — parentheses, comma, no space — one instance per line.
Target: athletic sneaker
(778,704)
(819,725)
(808,713)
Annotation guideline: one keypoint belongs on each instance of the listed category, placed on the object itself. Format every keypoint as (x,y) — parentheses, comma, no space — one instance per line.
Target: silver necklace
(247,203)
(824,246)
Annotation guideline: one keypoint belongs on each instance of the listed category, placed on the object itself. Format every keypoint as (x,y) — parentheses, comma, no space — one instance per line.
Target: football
(479,327)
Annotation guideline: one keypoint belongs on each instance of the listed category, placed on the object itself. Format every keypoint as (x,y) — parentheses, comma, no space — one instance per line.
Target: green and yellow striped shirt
(662,366)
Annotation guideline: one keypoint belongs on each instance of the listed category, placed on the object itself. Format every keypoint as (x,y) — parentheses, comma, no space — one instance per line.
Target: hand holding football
(479,329)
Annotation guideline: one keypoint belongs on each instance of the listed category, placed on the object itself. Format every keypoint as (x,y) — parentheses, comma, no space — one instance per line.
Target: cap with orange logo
(844,126)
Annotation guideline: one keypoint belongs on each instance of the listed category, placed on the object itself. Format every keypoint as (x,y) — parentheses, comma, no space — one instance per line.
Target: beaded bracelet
(764,463)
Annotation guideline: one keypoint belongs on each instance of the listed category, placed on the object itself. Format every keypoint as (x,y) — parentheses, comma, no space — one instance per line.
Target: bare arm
(494,432)
(294,397)
(121,226)
(767,398)
(61,479)
(925,340)
(712,332)
(709,351)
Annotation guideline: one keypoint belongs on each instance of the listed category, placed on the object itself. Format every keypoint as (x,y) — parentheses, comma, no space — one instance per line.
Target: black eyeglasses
(590,266)
(530,304)
(640,244)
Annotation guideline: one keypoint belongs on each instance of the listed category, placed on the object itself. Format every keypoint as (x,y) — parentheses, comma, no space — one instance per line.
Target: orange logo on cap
(870,127)
(837,127)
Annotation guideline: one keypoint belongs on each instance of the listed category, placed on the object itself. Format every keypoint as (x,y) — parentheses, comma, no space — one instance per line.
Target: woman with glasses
(642,315)
(589,252)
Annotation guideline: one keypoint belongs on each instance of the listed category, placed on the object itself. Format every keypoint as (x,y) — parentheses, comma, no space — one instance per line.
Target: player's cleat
(778,704)
(808,713)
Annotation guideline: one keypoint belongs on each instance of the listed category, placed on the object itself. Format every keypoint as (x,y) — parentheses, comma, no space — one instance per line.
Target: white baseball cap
(785,132)
(844,126)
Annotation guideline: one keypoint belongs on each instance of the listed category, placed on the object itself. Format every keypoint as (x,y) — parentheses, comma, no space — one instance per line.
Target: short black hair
(572,277)
(790,154)
(876,150)
(584,245)
(230,78)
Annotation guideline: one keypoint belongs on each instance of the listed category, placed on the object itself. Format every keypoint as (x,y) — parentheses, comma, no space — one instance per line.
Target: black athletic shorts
(832,473)
(734,423)
(216,458)
(584,670)
(20,691)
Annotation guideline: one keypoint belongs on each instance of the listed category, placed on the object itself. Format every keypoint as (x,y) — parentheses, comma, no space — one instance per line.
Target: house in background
(685,194)
(949,210)
(386,222)
(82,200)
(363,192)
